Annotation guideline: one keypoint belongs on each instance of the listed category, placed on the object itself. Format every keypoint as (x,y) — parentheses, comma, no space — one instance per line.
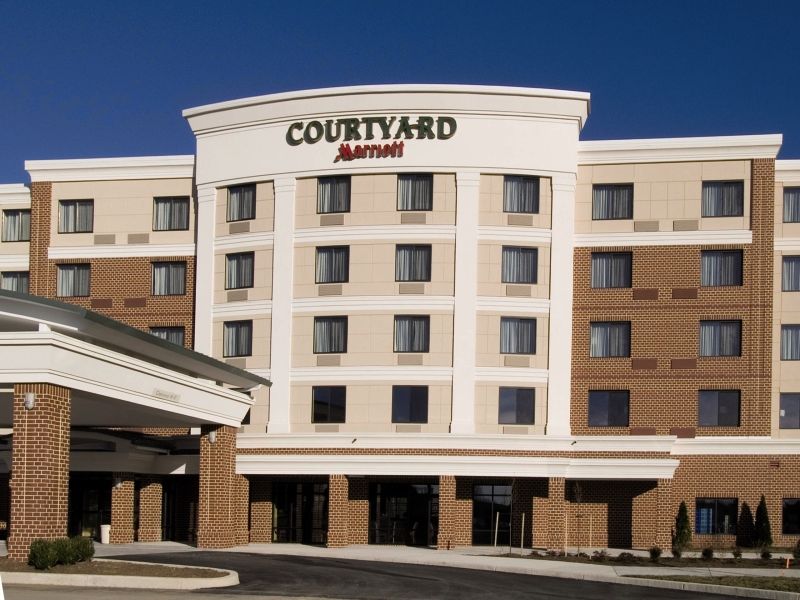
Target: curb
(124,581)
(710,588)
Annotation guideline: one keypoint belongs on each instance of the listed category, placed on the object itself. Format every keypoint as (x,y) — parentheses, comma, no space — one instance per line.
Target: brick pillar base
(122,502)
(241,516)
(445,540)
(39,467)
(358,523)
(260,510)
(338,511)
(555,514)
(218,495)
(665,515)
(151,497)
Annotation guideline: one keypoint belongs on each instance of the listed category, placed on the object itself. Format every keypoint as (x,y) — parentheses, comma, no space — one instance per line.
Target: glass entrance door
(300,512)
(404,514)
(491,514)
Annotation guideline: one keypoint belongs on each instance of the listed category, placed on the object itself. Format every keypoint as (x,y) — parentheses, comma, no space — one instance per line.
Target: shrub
(737,553)
(655,553)
(707,553)
(626,557)
(766,554)
(677,552)
(763,531)
(582,555)
(796,551)
(65,551)
(84,548)
(683,533)
(600,555)
(42,555)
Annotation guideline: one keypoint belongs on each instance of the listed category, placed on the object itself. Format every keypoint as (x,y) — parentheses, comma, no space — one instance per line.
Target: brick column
(666,516)
(122,501)
(338,511)
(555,514)
(39,467)
(241,512)
(260,510)
(358,523)
(151,497)
(218,497)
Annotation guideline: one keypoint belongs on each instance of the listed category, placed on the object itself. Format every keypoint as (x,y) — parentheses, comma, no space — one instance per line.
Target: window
(333,194)
(720,267)
(73,280)
(169,278)
(237,338)
(789,413)
(16,225)
(171,213)
(791,516)
(612,269)
(612,201)
(415,192)
(790,274)
(329,403)
(715,516)
(610,339)
(239,270)
(520,194)
(608,408)
(790,342)
(722,199)
(241,202)
(75,216)
(791,205)
(412,333)
(491,514)
(412,262)
(718,408)
(171,334)
(330,335)
(519,264)
(409,404)
(517,336)
(333,264)
(15,281)
(516,406)
(720,338)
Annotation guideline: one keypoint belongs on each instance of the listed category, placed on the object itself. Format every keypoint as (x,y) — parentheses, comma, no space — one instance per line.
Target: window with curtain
(720,338)
(791,516)
(722,199)
(720,267)
(75,216)
(412,333)
(610,339)
(608,408)
(612,201)
(612,269)
(330,335)
(715,516)
(409,404)
(517,335)
(239,270)
(333,194)
(16,225)
(789,412)
(174,335)
(718,408)
(241,202)
(237,338)
(169,278)
(171,213)
(415,192)
(520,194)
(333,264)
(519,265)
(791,205)
(15,281)
(790,342)
(72,280)
(330,403)
(412,262)
(790,274)
(516,406)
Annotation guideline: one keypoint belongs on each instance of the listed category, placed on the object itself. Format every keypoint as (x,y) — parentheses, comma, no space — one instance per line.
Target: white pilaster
(282,294)
(466,297)
(204,268)
(561,256)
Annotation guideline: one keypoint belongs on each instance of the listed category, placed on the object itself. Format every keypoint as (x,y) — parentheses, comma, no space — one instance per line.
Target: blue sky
(88,79)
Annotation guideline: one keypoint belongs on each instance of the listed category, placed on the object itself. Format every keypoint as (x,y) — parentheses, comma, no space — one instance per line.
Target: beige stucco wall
(121,208)
(259,412)
(261,350)
(491,203)
(663,192)
(262,275)
(14,248)
(490,264)
(265,210)
(487,407)
(488,342)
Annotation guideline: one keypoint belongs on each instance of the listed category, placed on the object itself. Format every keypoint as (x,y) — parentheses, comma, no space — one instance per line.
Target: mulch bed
(782,584)
(94,567)
(668,561)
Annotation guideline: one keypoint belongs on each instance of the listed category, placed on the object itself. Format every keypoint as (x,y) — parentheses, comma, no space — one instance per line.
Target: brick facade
(358,516)
(220,490)
(338,511)
(151,495)
(260,510)
(122,508)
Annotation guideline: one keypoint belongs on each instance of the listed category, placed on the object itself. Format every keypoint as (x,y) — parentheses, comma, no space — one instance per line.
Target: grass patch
(780,584)
(111,567)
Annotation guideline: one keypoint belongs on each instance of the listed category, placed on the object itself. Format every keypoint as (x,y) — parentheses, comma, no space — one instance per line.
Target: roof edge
(108,169)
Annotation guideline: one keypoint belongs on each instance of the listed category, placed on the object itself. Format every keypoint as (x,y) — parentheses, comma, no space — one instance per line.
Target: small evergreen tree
(683,533)
(763,531)
(745,527)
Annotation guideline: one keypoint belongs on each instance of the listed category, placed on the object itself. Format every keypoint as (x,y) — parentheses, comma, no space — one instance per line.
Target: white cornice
(375,232)
(736,147)
(513,304)
(787,171)
(14,262)
(735,446)
(511,374)
(665,238)
(787,244)
(244,240)
(120,251)
(110,169)
(354,375)
(15,194)
(524,235)
(250,308)
(351,304)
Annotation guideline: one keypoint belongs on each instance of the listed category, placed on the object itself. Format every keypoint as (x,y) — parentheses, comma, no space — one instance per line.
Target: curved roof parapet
(78,322)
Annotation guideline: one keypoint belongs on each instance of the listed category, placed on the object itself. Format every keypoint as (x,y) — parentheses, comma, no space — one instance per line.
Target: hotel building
(477,327)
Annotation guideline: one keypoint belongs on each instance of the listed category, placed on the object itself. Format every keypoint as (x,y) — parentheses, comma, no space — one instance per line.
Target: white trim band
(389,233)
(120,251)
(110,169)
(356,375)
(665,238)
(352,304)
